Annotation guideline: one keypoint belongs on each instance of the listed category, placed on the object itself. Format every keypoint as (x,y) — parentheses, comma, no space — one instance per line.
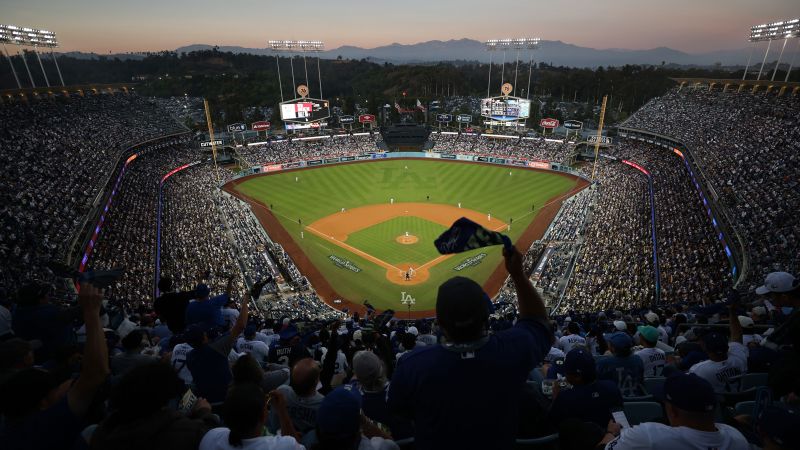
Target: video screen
(505,108)
(305,110)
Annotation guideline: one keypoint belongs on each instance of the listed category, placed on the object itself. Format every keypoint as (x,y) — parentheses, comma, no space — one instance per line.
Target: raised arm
(530,303)
(94,367)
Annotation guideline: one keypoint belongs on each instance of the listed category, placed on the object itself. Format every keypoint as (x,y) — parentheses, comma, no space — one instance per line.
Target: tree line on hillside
(234,83)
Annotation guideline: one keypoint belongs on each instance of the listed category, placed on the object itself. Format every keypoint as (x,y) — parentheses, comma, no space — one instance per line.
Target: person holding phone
(689,402)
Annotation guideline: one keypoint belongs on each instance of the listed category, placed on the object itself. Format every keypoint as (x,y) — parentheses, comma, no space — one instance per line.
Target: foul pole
(211,137)
(599,134)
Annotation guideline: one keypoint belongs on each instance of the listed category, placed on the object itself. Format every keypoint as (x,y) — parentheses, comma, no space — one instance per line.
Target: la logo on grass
(395,176)
(407,299)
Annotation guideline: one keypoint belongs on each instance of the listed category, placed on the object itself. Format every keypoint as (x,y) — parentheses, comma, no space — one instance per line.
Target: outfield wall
(464,157)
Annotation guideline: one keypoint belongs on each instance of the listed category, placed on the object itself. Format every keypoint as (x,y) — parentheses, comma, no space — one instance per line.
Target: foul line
(352,249)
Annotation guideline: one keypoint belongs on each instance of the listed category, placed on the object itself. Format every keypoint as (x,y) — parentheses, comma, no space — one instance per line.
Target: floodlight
(11,34)
(785,29)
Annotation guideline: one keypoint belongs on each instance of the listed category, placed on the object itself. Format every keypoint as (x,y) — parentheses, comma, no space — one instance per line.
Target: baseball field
(366,230)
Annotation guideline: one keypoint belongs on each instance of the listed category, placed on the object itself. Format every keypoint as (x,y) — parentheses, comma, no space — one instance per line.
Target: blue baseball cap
(288,333)
(619,340)
(688,392)
(715,342)
(579,361)
(339,415)
(201,291)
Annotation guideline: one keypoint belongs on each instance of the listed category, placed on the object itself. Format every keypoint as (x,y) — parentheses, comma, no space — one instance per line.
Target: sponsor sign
(364,156)
(448,156)
(366,118)
(209,143)
(481,159)
(271,168)
(518,162)
(294,165)
(539,164)
(603,139)
(260,125)
(464,118)
(573,124)
(314,162)
(304,126)
(346,119)
(465,157)
(347,158)
(548,123)
(234,127)
(497,160)
(444,118)
(472,261)
(344,264)
(331,160)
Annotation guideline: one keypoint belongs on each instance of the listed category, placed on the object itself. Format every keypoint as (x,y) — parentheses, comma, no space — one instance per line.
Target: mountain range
(552,52)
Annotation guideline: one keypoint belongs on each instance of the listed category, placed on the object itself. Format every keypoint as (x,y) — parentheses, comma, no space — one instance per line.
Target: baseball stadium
(399,225)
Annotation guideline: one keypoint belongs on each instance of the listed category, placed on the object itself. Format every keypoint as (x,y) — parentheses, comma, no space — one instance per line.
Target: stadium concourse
(236,322)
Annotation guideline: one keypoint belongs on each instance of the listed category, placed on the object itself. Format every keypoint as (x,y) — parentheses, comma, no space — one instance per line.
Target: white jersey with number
(718,373)
(657,436)
(178,360)
(256,348)
(567,343)
(654,360)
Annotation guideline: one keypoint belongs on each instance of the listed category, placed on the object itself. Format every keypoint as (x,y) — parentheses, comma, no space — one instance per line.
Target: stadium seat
(638,398)
(653,384)
(752,380)
(540,442)
(639,412)
(744,408)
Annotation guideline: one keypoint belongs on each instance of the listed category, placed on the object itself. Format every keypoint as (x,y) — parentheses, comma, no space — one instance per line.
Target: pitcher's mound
(407,239)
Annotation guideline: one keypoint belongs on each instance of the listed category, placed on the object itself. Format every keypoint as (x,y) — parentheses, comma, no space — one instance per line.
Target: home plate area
(362,231)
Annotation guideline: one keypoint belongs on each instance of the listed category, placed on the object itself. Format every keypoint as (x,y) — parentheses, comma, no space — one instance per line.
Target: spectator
(725,359)
(589,399)
(340,425)
(572,339)
(171,306)
(208,311)
(653,358)
(622,367)
(245,413)
(302,398)
(132,357)
(689,402)
(36,318)
(34,401)
(430,385)
(141,418)
(249,344)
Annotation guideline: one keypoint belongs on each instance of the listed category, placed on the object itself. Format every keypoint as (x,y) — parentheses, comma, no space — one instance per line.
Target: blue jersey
(468,399)
(627,372)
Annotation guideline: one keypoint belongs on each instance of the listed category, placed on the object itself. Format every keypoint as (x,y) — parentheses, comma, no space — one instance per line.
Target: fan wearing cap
(653,358)
(725,359)
(783,290)
(622,367)
(465,393)
(249,344)
(371,386)
(589,400)
(341,426)
(208,361)
(171,306)
(208,310)
(653,320)
(36,318)
(689,402)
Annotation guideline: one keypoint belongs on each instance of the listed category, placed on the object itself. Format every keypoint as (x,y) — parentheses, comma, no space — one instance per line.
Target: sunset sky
(104,26)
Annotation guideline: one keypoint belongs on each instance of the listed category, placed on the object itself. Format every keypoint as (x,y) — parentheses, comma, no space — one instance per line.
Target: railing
(736,253)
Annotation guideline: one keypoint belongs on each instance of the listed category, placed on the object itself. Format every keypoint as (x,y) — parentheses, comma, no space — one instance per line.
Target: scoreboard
(305,110)
(505,108)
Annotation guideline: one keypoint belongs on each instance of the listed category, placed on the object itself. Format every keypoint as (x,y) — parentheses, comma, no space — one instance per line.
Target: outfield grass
(312,194)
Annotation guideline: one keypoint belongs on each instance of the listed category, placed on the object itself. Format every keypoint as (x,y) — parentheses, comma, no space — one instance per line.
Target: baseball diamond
(384,216)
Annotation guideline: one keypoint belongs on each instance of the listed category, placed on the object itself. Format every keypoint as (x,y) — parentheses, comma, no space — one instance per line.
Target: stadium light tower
(504,45)
(24,36)
(785,29)
(304,46)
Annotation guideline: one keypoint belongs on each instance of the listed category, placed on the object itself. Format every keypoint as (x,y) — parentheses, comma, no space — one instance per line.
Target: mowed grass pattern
(381,240)
(311,194)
